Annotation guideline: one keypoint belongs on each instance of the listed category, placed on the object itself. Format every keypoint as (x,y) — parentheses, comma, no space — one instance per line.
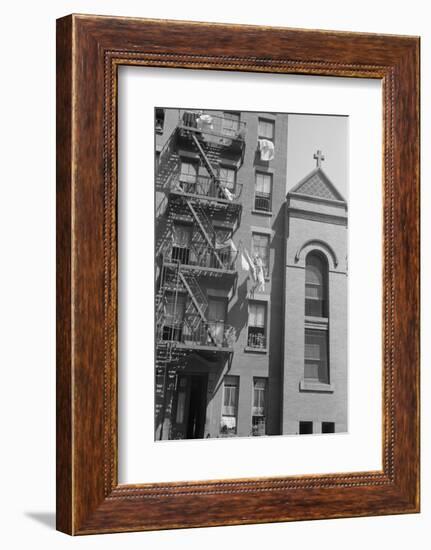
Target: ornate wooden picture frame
(89,51)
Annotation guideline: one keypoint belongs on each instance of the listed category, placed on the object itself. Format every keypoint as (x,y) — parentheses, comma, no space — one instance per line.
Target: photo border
(89,51)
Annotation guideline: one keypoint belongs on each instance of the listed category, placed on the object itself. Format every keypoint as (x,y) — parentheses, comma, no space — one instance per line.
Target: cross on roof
(318,157)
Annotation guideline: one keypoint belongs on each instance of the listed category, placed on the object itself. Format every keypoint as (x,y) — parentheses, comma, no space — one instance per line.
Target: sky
(308,133)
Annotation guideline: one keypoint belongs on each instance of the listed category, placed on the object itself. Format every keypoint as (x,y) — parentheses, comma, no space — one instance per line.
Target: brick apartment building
(251,284)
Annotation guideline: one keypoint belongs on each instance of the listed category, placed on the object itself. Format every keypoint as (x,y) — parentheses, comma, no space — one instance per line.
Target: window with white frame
(256,337)
(316,277)
(230,406)
(260,247)
(265,129)
(263,192)
(259,406)
(316,356)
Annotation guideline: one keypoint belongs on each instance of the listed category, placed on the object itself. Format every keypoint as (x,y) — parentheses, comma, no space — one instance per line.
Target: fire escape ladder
(195,293)
(205,160)
(209,166)
(206,228)
(199,302)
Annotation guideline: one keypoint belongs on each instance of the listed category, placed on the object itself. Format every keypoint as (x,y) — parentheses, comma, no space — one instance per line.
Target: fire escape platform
(177,208)
(204,270)
(203,347)
(188,218)
(205,199)
(220,138)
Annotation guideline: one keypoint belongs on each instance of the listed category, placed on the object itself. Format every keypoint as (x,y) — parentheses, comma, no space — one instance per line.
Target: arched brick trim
(319,245)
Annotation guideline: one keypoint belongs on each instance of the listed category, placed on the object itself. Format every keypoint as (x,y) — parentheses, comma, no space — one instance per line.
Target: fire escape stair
(196,295)
(199,302)
(205,227)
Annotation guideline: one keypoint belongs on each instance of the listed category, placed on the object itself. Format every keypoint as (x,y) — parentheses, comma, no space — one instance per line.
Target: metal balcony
(205,187)
(256,338)
(225,126)
(262,201)
(200,256)
(224,131)
(211,336)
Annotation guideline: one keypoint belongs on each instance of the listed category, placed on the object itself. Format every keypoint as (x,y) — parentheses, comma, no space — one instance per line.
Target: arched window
(316,285)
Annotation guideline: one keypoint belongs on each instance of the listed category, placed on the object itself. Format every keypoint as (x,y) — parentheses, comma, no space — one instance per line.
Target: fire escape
(199,203)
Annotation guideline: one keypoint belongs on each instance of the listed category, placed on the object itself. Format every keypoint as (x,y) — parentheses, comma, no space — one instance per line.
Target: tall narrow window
(174,316)
(181,237)
(259,406)
(260,247)
(266,129)
(230,126)
(227,177)
(263,190)
(230,405)
(188,176)
(316,286)
(256,337)
(217,308)
(316,356)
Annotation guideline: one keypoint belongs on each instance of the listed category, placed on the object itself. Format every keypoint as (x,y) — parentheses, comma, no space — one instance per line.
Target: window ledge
(262,212)
(316,322)
(249,349)
(308,385)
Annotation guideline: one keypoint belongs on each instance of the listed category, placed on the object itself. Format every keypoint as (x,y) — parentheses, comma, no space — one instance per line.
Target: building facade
(251,285)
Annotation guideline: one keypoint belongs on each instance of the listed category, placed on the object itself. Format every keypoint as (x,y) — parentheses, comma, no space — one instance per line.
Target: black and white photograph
(214,235)
(251,277)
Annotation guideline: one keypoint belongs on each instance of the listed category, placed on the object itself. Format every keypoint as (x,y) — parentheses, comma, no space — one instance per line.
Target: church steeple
(317,184)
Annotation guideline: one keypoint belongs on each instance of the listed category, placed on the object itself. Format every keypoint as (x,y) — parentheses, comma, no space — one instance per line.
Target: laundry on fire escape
(205,122)
(225,244)
(230,196)
(266,149)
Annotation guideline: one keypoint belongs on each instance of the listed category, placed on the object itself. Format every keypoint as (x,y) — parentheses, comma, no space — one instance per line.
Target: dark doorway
(197,406)
(190,416)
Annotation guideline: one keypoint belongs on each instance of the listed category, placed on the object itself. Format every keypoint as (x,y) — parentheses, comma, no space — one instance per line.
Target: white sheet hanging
(266,149)
(205,122)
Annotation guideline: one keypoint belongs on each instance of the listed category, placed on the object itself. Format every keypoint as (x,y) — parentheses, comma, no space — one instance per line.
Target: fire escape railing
(211,333)
(206,228)
(205,186)
(223,126)
(189,325)
(186,322)
(198,254)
